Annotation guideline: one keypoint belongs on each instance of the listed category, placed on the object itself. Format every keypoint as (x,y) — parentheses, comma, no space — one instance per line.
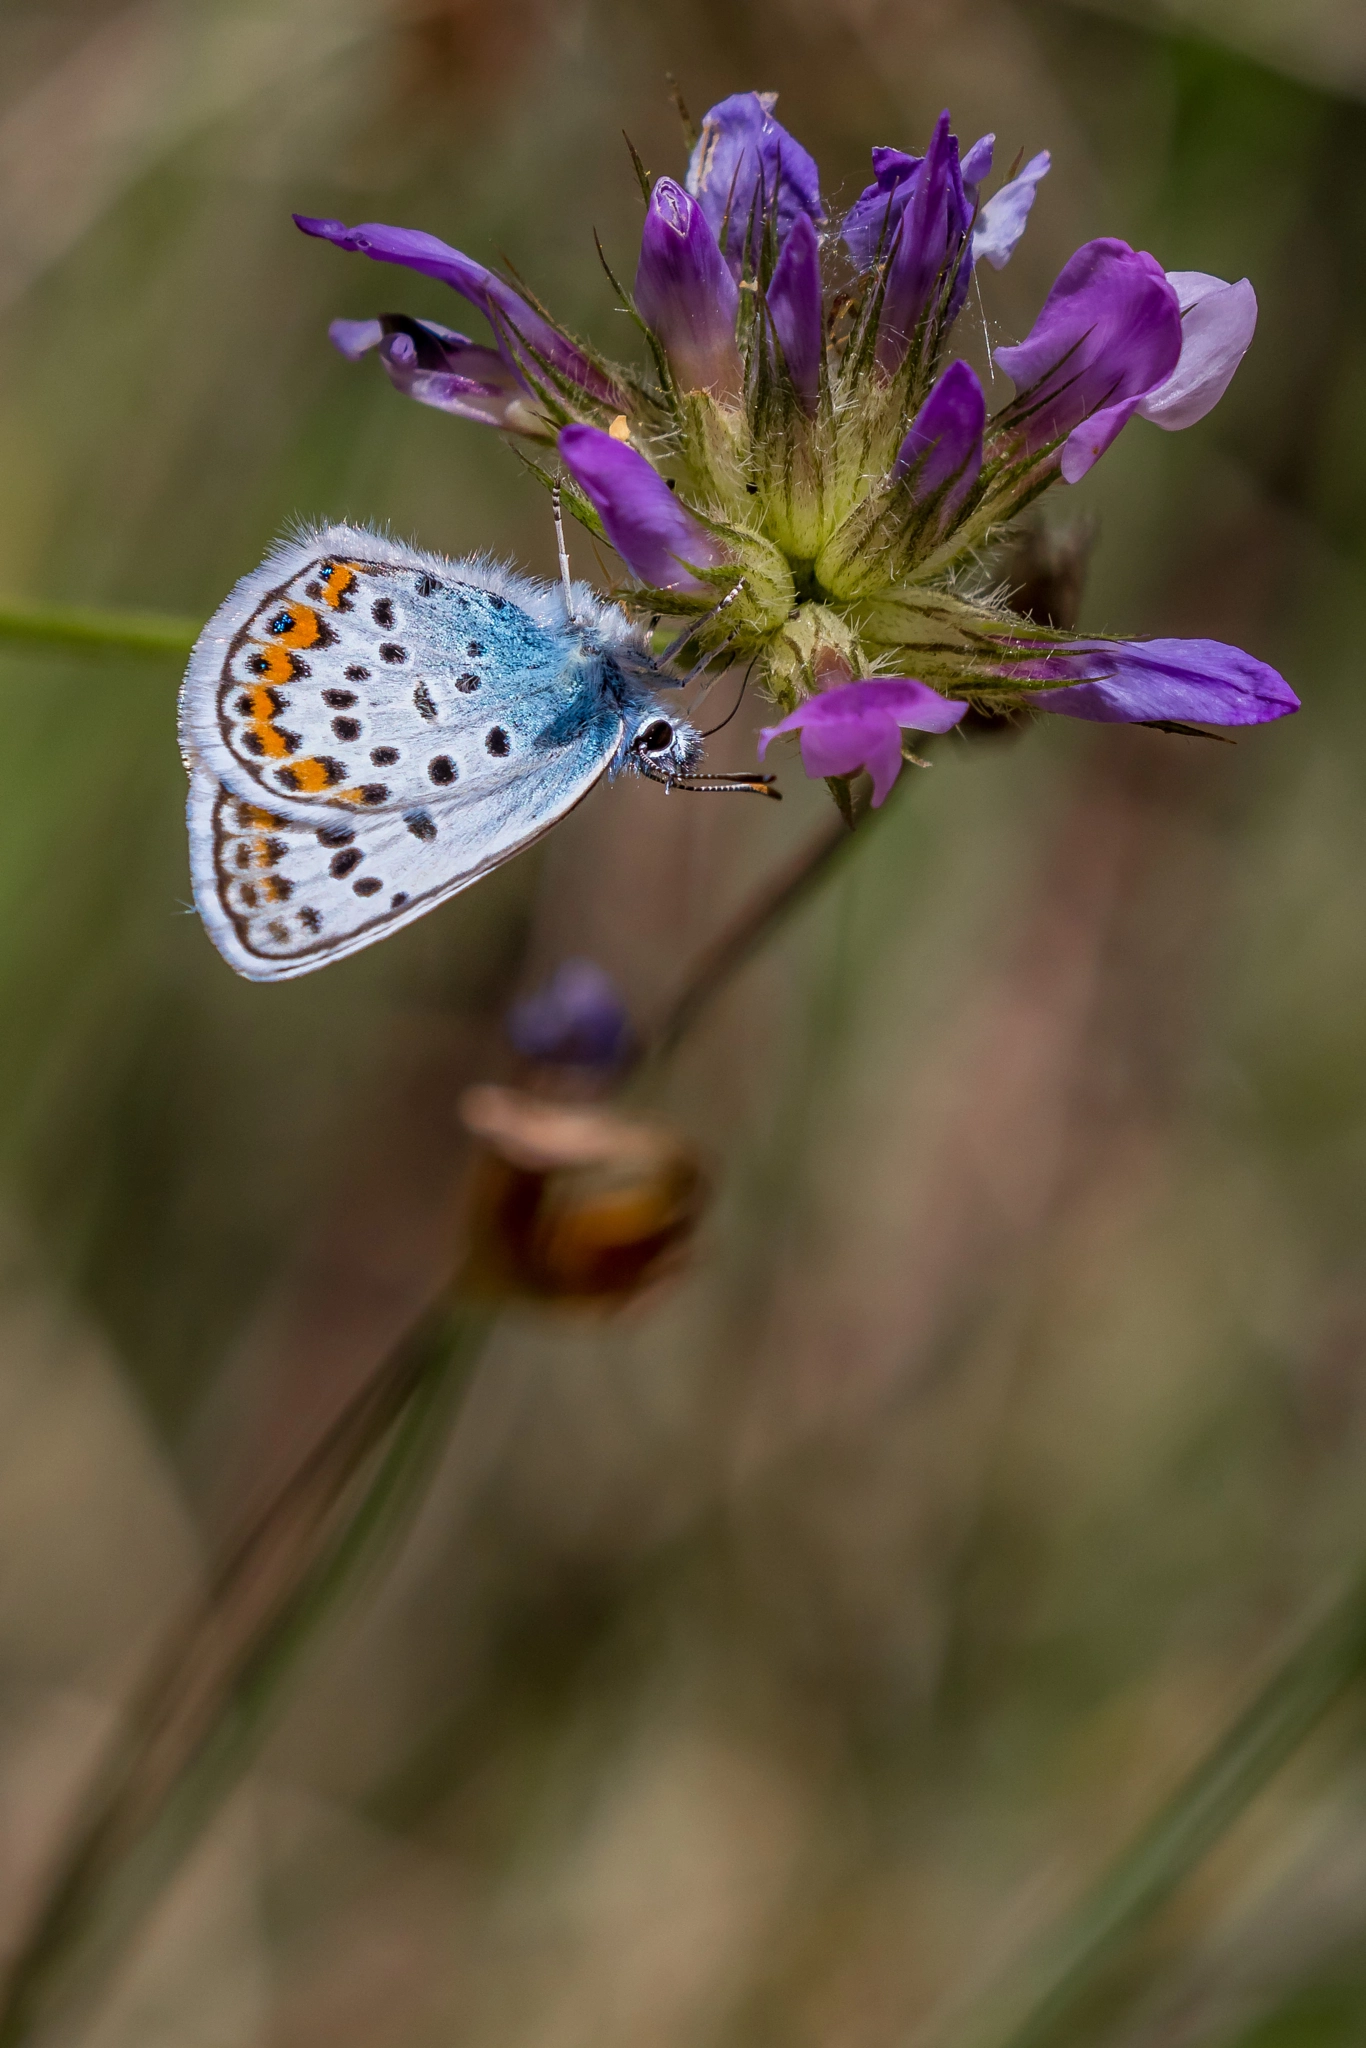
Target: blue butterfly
(369,729)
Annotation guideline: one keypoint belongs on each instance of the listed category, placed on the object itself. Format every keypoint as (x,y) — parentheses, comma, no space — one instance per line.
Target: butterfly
(369,729)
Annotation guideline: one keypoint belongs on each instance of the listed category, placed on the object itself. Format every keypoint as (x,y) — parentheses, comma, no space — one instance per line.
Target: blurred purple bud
(859,725)
(654,535)
(686,295)
(577,1019)
(745,167)
(441,368)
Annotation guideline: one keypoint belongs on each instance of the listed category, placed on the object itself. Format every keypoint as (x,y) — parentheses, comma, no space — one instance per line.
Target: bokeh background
(771,1664)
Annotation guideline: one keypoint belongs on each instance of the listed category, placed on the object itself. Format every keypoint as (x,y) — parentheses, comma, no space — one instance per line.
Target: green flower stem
(71,629)
(205,1707)
(1070,1964)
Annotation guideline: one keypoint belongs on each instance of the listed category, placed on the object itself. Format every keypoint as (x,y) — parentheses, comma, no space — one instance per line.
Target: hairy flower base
(813,453)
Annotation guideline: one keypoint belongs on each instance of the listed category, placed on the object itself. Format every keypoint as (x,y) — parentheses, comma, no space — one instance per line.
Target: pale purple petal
(354,338)
(1110,330)
(512,319)
(859,725)
(944,445)
(654,535)
(796,309)
(577,1019)
(978,161)
(686,295)
(1195,682)
(1001,221)
(746,166)
(1218,322)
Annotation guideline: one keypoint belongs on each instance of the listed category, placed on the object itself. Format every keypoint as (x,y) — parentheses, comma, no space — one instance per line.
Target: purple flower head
(1218,322)
(796,309)
(1109,333)
(745,167)
(1124,682)
(943,450)
(686,295)
(1001,221)
(440,368)
(930,240)
(859,725)
(655,536)
(518,328)
(576,1019)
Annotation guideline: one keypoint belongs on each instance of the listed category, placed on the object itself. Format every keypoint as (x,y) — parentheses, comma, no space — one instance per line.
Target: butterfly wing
(369,730)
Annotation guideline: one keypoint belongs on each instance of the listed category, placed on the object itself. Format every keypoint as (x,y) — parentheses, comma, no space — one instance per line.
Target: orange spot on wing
(310,776)
(338,583)
(278,666)
(252,814)
(302,631)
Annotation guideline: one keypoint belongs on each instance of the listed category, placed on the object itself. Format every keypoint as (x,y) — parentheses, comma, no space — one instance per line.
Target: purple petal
(859,725)
(686,295)
(944,445)
(796,309)
(870,225)
(1001,222)
(441,368)
(354,338)
(654,535)
(1110,330)
(744,156)
(1218,322)
(929,238)
(512,319)
(978,161)
(577,1019)
(1086,444)
(1199,682)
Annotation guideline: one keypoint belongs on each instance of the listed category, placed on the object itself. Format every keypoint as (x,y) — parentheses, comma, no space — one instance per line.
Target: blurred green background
(772,1664)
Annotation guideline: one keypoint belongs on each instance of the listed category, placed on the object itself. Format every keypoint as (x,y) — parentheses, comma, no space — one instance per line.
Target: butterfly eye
(656,738)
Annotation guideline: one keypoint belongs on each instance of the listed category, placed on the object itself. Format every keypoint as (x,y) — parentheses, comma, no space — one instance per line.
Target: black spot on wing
(368,885)
(421,824)
(382,612)
(442,769)
(339,700)
(384,757)
(335,835)
(343,864)
(497,741)
(425,702)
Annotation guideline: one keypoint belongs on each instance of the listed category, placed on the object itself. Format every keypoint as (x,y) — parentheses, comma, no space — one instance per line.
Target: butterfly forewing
(368,732)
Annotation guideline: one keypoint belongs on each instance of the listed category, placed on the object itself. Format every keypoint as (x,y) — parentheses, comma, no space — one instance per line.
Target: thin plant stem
(719,962)
(74,629)
(201,1714)
(1070,1964)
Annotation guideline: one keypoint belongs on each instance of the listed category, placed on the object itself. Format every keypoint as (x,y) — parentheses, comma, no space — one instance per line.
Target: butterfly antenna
(565,583)
(676,646)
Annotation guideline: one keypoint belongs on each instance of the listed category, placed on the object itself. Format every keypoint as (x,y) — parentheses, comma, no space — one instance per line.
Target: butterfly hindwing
(369,730)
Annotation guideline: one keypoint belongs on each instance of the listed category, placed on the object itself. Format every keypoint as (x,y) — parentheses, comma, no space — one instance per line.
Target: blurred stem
(71,629)
(200,1715)
(1069,1965)
(718,963)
